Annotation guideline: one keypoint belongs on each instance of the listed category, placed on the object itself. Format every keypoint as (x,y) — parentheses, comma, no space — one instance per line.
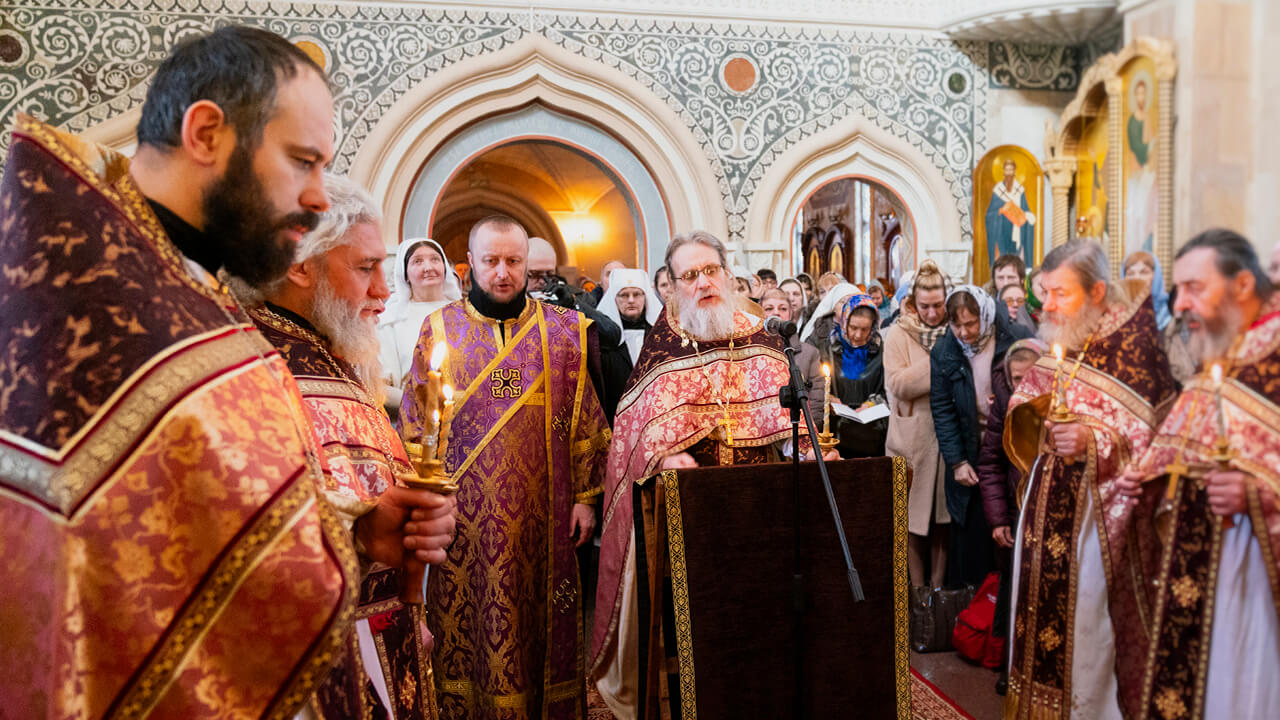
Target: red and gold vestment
(1189,562)
(1119,393)
(362,456)
(166,551)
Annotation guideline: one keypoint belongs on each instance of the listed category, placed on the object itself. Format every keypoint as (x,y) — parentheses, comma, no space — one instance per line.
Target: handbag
(933,616)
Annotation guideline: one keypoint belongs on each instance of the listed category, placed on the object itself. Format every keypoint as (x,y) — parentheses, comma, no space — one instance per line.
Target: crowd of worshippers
(199,385)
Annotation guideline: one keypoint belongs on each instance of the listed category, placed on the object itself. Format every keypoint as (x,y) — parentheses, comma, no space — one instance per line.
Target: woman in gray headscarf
(424,282)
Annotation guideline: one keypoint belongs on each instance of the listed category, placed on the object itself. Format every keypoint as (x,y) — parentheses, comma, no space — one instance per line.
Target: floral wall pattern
(77,63)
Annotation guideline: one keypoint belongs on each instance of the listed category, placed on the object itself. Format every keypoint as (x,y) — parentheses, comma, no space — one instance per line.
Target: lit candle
(446,419)
(431,403)
(1056,398)
(826,399)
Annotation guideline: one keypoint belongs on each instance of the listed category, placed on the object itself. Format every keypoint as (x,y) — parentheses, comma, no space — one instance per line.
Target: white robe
(1244,648)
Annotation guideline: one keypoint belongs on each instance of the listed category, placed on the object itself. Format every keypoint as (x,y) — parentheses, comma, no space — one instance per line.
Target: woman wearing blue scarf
(854,352)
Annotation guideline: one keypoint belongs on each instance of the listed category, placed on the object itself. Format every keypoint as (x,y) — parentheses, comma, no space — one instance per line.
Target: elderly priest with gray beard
(703,392)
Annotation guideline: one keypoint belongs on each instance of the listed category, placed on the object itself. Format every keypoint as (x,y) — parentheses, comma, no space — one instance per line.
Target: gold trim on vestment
(901,591)
(316,668)
(503,352)
(212,597)
(483,444)
(64,478)
(680,596)
(689,362)
(599,441)
(545,351)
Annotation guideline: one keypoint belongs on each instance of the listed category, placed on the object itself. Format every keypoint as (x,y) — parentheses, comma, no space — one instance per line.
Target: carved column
(1061,172)
(1164,169)
(1115,154)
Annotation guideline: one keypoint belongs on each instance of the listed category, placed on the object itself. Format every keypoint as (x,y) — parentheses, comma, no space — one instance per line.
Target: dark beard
(238,220)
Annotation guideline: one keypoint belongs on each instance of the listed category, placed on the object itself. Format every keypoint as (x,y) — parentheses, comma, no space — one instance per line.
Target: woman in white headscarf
(616,362)
(423,283)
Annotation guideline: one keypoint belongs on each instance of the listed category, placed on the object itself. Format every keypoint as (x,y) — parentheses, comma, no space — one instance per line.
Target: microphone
(775,325)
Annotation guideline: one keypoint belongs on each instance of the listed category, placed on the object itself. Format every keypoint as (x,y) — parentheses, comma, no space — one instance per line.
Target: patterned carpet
(927,703)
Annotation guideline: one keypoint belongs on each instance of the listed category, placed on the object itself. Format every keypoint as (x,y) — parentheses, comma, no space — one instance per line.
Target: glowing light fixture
(579,228)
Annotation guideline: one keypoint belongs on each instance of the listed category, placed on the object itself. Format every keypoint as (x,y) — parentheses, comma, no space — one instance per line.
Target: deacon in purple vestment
(526,447)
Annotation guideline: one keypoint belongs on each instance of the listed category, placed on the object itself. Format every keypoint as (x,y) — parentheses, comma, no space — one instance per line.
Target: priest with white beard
(322,318)
(703,392)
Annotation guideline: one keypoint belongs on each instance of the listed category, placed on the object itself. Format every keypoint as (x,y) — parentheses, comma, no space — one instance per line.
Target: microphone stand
(794,396)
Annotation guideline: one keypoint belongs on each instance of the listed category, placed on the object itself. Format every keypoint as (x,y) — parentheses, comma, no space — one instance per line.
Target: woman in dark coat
(854,352)
(998,479)
(960,398)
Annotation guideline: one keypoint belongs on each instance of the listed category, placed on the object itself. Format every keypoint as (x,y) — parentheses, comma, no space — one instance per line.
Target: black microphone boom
(775,325)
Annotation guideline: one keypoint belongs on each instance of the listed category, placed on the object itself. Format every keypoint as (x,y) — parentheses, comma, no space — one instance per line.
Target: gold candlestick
(431,400)
(446,420)
(826,399)
(428,475)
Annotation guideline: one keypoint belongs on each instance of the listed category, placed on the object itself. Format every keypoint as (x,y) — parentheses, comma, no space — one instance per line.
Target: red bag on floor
(993,655)
(973,624)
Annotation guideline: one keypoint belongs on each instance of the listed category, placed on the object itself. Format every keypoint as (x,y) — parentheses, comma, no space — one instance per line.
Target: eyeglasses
(1015,301)
(710,271)
(541,274)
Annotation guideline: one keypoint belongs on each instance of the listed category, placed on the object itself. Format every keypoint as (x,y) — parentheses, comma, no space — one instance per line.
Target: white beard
(706,325)
(353,338)
(1074,332)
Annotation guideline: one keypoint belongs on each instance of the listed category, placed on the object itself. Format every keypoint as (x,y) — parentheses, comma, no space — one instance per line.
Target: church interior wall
(743,92)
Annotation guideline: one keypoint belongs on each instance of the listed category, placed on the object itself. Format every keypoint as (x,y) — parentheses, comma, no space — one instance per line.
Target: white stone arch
(855,146)
(534,69)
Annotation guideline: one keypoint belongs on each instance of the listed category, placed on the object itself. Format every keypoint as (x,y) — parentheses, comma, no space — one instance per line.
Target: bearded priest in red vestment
(1110,390)
(166,550)
(322,318)
(1210,483)
(704,391)
(526,448)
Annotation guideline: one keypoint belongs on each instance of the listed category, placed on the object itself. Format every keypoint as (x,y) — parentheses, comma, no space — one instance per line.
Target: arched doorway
(857,227)
(565,178)
(558,192)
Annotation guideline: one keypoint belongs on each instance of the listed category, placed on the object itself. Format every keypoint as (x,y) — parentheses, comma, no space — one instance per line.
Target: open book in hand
(875,412)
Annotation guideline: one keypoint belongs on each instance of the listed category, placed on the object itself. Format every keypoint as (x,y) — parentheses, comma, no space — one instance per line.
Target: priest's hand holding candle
(1226,488)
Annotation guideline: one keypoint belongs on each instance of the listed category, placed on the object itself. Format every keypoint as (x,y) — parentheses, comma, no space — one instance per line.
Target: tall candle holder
(826,440)
(428,468)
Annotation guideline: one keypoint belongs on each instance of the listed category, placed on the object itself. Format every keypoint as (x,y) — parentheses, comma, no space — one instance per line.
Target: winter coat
(997,477)
(954,404)
(907,380)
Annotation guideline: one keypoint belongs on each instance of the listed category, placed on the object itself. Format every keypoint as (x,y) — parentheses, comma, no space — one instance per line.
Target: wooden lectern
(714,568)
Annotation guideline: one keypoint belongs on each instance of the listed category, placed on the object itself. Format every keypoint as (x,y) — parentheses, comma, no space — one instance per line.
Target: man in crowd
(1111,386)
(708,351)
(1007,270)
(1215,629)
(768,279)
(605,271)
(605,333)
(161,477)
(526,447)
(322,318)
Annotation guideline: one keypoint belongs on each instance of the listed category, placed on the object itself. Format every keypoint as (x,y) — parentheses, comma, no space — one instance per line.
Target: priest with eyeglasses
(704,392)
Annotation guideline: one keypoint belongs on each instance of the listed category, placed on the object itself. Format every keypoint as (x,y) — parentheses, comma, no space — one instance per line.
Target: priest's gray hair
(349,205)
(1088,260)
(702,237)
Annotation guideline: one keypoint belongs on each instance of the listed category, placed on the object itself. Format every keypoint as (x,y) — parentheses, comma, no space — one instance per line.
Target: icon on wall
(1008,199)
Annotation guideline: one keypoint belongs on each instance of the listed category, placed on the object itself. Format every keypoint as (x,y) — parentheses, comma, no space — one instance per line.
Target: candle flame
(1058,352)
(447,390)
(826,370)
(435,416)
(437,355)
(1216,371)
